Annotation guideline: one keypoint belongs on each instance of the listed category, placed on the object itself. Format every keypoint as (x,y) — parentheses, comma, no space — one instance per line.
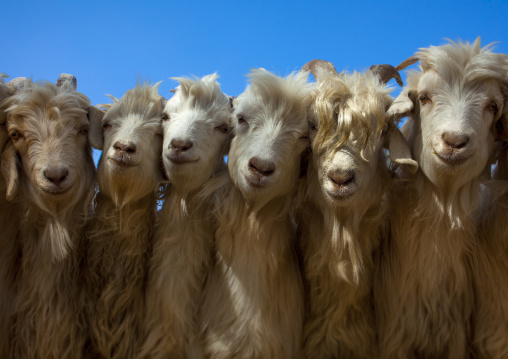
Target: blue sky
(108,44)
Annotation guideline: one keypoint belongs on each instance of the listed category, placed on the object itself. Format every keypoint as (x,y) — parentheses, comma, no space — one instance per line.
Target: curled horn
(386,72)
(312,67)
(407,62)
(66,77)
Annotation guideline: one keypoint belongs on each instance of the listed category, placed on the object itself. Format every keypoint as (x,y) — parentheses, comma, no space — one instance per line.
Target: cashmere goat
(254,300)
(196,131)
(342,209)
(49,172)
(120,233)
(425,295)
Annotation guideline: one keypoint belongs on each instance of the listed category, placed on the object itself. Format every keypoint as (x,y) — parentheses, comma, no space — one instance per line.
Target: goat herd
(329,233)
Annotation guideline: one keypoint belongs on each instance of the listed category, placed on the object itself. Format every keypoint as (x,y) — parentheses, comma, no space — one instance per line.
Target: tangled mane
(203,93)
(344,105)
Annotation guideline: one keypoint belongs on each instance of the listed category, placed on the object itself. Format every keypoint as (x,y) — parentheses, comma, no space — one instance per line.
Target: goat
(120,232)
(425,295)
(49,172)
(253,304)
(342,208)
(196,131)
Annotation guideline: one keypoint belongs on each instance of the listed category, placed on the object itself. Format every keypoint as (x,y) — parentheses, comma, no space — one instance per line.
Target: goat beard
(57,237)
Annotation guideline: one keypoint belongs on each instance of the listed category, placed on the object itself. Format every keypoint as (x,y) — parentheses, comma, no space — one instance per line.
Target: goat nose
(181,144)
(455,140)
(262,167)
(125,146)
(342,179)
(56,175)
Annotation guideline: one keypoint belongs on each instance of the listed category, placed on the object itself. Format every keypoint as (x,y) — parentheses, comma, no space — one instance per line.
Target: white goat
(425,297)
(490,319)
(196,131)
(254,300)
(342,209)
(49,171)
(120,233)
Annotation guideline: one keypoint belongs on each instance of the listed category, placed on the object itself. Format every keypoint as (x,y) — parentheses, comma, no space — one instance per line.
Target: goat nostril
(181,144)
(264,168)
(342,179)
(56,175)
(454,140)
(128,147)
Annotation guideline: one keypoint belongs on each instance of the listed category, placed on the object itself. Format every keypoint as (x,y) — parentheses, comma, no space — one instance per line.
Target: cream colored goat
(196,131)
(342,205)
(49,171)
(425,298)
(254,301)
(120,233)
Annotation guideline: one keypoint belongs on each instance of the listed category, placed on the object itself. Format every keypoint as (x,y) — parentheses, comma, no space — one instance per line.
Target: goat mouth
(451,159)
(55,189)
(258,181)
(179,159)
(122,162)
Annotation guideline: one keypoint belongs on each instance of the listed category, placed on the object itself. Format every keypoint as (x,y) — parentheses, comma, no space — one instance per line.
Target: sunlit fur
(120,233)
(9,218)
(490,320)
(254,302)
(341,225)
(198,113)
(48,127)
(426,299)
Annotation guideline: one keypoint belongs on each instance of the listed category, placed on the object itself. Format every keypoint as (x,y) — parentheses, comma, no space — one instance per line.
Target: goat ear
(95,135)
(398,148)
(403,105)
(10,171)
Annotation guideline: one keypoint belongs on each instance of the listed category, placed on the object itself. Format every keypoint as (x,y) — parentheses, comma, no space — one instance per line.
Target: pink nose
(262,167)
(341,179)
(455,140)
(125,146)
(180,144)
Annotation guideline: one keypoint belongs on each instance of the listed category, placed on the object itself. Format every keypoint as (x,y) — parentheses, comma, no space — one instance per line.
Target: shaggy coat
(342,213)
(254,301)
(196,131)
(49,169)
(120,233)
(425,295)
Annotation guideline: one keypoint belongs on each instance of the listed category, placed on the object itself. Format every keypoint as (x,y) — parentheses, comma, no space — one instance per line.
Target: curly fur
(253,306)
(425,300)
(340,236)
(183,245)
(48,312)
(120,233)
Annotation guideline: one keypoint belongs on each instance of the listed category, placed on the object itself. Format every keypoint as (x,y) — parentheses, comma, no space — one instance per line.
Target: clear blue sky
(108,44)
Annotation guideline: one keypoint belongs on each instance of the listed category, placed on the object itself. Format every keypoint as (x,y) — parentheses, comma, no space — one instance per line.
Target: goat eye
(424,99)
(223,128)
(304,137)
(492,107)
(16,135)
(165,117)
(106,126)
(84,130)
(241,120)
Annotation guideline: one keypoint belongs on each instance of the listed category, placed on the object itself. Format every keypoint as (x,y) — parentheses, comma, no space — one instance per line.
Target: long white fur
(254,302)
(425,295)
(342,225)
(120,233)
(198,113)
(48,127)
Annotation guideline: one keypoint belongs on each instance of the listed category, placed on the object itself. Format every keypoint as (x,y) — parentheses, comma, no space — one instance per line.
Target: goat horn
(313,65)
(407,62)
(66,77)
(386,72)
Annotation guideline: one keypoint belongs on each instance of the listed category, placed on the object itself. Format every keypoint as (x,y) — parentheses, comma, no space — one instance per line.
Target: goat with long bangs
(253,304)
(196,134)
(120,233)
(49,172)
(342,208)
(425,296)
